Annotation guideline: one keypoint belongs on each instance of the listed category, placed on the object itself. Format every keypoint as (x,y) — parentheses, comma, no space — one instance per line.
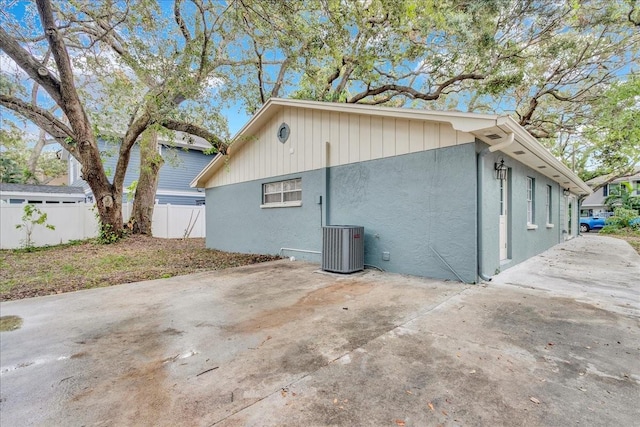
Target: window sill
(532,227)
(281,205)
(550,226)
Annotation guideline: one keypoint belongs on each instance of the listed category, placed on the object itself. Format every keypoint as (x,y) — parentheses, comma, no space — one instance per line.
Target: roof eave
(533,145)
(463,122)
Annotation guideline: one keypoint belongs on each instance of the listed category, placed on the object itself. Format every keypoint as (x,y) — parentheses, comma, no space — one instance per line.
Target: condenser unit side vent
(343,248)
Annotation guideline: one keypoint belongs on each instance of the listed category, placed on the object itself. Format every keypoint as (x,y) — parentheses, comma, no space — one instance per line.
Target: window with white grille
(531,188)
(282,193)
(549,205)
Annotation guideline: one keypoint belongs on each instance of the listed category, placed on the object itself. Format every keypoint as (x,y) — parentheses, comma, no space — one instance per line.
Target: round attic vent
(283,132)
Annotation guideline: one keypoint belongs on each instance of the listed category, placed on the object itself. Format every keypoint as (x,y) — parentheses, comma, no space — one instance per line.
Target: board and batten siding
(321,139)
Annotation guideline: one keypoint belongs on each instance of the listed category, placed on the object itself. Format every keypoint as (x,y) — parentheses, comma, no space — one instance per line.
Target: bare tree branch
(181,24)
(413,93)
(277,86)
(41,117)
(134,130)
(634,21)
(348,69)
(260,70)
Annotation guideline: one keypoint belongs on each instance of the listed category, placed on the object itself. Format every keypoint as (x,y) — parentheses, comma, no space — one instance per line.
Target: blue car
(589,223)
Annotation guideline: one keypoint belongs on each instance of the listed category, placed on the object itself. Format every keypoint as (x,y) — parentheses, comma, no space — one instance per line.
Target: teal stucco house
(445,195)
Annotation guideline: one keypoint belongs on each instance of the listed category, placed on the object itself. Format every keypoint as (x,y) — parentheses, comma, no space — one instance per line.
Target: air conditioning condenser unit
(343,248)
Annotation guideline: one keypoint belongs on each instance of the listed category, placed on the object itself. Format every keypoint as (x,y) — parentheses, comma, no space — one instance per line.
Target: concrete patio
(553,341)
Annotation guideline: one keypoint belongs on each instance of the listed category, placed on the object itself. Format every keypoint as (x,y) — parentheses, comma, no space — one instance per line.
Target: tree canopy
(566,70)
(113,69)
(21,164)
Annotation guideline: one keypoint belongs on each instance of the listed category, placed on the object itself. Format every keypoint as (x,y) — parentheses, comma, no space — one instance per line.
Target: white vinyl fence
(78,221)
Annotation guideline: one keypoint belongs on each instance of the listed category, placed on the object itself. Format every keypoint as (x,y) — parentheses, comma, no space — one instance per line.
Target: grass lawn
(84,265)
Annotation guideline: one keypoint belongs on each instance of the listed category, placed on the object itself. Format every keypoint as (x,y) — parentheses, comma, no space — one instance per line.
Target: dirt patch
(333,294)
(87,264)
(10,323)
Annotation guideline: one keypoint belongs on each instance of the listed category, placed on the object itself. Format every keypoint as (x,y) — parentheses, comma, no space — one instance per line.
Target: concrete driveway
(553,341)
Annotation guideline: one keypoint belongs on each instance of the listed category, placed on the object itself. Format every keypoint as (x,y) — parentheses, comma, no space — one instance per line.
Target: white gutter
(530,143)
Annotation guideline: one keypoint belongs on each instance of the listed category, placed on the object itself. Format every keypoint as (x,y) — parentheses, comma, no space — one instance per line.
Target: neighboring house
(23,193)
(594,204)
(183,161)
(422,183)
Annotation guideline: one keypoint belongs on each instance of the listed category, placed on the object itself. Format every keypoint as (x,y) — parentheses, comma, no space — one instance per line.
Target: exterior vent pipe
(479,192)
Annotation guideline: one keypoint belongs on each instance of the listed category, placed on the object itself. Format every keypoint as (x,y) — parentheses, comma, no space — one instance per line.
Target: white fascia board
(464,122)
(530,143)
(200,180)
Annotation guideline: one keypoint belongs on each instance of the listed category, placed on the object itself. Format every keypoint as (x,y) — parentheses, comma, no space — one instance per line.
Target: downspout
(479,191)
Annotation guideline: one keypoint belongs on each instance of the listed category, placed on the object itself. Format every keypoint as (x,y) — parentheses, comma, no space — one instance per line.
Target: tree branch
(350,66)
(631,18)
(180,21)
(275,91)
(134,130)
(413,93)
(41,117)
(70,101)
(333,76)
(260,70)
(196,130)
(38,72)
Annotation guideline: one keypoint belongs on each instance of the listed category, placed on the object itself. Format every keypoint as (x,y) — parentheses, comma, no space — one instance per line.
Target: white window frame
(549,207)
(282,192)
(531,195)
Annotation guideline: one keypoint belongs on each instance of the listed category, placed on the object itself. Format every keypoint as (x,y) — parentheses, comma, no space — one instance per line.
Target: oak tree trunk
(145,196)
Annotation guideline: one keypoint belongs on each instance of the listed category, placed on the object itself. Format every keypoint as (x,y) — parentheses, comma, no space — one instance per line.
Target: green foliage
(106,234)
(621,195)
(131,190)
(622,218)
(615,132)
(10,171)
(15,152)
(12,156)
(31,217)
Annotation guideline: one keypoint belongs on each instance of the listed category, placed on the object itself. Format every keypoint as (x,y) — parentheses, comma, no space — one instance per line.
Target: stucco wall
(410,206)
(523,243)
(235,221)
